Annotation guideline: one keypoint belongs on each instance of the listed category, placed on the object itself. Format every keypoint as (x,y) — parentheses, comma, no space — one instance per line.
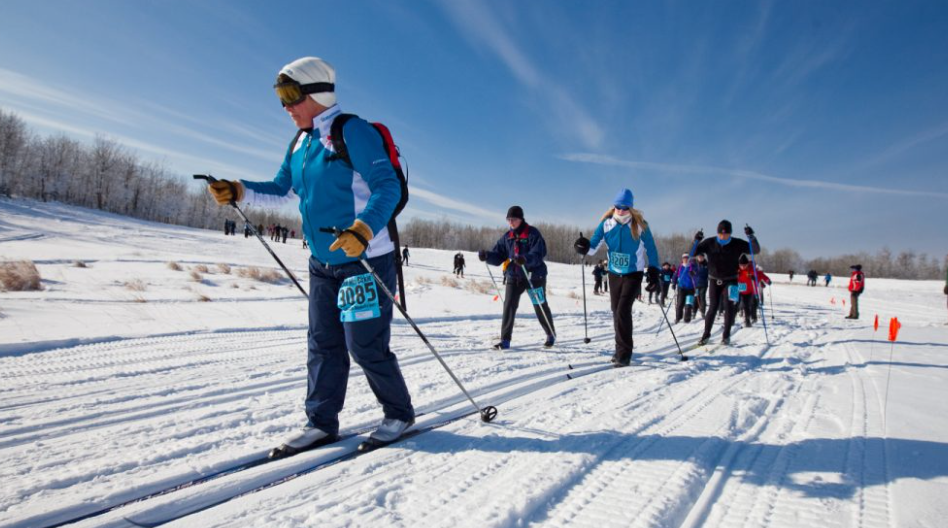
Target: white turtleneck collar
(323,121)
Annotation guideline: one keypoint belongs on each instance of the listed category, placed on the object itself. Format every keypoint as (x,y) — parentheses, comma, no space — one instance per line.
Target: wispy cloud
(178,160)
(484,31)
(901,147)
(703,170)
(26,88)
(451,204)
(25,92)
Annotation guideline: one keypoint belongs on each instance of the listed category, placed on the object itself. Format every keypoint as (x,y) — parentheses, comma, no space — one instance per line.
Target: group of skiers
(358,189)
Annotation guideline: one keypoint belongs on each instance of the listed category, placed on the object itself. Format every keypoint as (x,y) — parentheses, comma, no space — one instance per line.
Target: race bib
(619,263)
(732,293)
(358,299)
(742,287)
(690,300)
(537,296)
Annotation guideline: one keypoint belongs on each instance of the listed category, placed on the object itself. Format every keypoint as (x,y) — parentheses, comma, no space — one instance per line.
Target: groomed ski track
(788,434)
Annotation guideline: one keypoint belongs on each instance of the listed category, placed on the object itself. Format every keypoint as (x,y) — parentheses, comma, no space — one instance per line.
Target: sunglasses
(621,208)
(292,93)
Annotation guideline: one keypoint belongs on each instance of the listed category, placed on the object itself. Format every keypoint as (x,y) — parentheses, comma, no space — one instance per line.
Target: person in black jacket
(524,247)
(723,253)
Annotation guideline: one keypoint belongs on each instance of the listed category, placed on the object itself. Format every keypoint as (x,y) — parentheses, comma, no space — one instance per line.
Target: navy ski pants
(331,341)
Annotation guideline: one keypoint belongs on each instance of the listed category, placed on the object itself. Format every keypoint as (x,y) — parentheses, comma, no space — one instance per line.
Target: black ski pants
(623,291)
(664,296)
(748,307)
(515,288)
(598,287)
(680,302)
(717,297)
(701,299)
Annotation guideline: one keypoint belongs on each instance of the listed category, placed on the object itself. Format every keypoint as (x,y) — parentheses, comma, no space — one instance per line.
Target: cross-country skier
(405,255)
(525,248)
(360,197)
(631,251)
(747,287)
(597,272)
(665,279)
(723,253)
(811,277)
(857,285)
(827,279)
(701,283)
(684,282)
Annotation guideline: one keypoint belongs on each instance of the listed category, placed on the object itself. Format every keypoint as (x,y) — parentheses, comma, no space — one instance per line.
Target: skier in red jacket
(857,284)
(747,287)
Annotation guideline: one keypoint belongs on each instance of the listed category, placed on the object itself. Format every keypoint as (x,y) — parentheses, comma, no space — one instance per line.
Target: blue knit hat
(623,199)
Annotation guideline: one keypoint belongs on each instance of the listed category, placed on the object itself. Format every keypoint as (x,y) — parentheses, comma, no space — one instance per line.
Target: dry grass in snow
(19,275)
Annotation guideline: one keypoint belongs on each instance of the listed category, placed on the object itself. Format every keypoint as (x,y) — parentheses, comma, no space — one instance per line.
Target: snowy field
(126,378)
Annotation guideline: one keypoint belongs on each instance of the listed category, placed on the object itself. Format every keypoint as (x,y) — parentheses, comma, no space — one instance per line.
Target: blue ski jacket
(331,193)
(527,242)
(685,276)
(626,254)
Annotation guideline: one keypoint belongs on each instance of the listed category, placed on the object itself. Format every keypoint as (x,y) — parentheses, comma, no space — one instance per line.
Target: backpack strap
(338,140)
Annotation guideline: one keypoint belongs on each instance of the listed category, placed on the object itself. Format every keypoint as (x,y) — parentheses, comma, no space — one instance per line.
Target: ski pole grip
(208,177)
(334,231)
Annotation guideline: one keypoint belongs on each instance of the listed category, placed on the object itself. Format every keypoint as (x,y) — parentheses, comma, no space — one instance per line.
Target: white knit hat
(313,70)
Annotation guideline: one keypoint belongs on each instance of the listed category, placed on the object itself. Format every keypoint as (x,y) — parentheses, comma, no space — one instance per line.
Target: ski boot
(308,438)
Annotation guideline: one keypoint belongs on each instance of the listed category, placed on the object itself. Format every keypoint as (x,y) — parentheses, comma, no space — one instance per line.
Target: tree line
(106,176)
(444,234)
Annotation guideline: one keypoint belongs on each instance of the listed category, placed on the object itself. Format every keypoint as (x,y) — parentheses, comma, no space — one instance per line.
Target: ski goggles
(292,93)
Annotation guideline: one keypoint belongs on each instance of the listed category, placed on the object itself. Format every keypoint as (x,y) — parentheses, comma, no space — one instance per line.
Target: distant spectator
(857,284)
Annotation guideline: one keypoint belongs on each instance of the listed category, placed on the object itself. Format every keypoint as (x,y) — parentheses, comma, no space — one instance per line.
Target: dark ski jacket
(723,259)
(701,275)
(527,242)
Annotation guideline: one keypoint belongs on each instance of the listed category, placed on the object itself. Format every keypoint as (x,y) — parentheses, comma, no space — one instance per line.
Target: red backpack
(342,153)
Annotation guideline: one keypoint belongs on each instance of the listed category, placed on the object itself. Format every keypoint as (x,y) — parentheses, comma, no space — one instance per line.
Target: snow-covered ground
(126,377)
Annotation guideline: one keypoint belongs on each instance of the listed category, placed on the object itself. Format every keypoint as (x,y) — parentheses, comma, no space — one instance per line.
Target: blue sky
(822,124)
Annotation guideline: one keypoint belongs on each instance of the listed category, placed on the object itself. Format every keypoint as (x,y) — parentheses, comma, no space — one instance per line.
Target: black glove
(946,289)
(652,275)
(519,260)
(748,231)
(581,245)
(699,236)
(482,255)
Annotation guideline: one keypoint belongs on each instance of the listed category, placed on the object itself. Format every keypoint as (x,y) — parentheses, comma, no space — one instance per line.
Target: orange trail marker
(876,324)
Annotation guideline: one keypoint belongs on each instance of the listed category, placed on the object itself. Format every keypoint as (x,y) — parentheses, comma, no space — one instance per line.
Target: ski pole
(772,316)
(496,287)
(681,354)
(487,413)
(763,316)
(233,203)
(665,315)
(582,269)
(535,295)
